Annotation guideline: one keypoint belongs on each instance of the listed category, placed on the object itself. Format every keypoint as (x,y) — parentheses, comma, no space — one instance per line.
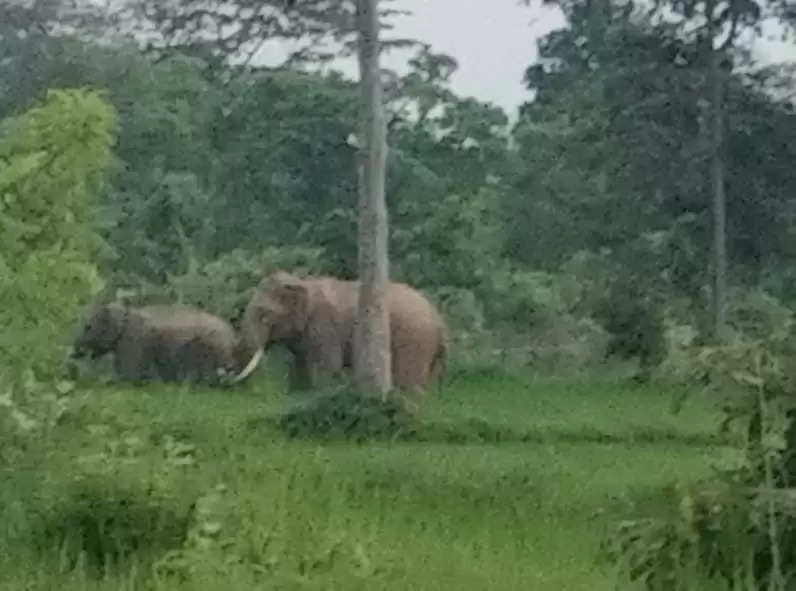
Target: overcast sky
(494,41)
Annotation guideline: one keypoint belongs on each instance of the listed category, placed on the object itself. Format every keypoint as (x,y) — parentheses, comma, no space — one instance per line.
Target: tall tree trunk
(372,362)
(719,205)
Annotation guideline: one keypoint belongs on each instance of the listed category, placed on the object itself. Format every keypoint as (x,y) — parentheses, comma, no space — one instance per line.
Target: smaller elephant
(171,343)
(314,318)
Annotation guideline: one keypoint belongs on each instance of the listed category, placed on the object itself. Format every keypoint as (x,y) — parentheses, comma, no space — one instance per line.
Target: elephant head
(276,314)
(101,331)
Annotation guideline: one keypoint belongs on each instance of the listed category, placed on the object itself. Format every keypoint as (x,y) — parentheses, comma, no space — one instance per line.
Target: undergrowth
(172,488)
(736,530)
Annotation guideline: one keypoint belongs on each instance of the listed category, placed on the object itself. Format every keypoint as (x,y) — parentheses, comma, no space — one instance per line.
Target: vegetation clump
(741,527)
(346,413)
(106,532)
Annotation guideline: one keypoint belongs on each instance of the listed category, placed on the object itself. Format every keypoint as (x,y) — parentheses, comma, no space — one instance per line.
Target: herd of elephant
(313,317)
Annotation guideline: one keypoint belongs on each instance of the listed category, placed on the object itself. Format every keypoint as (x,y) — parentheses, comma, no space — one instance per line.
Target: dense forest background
(584,228)
(594,205)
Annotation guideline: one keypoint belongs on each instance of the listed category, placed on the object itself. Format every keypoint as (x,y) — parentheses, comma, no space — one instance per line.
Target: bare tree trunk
(717,185)
(372,362)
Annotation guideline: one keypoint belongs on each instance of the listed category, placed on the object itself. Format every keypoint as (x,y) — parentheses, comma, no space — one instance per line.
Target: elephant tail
(440,363)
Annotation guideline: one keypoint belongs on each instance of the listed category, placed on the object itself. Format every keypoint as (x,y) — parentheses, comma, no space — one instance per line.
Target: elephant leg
(196,361)
(133,361)
(411,365)
(167,362)
(348,354)
(298,378)
(175,359)
(325,364)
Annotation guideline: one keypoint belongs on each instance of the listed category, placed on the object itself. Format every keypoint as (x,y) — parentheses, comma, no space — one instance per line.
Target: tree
(372,361)
(605,145)
(715,41)
(447,171)
(616,146)
(234,31)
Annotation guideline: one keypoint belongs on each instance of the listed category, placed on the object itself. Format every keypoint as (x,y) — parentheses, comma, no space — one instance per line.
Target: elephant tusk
(249,367)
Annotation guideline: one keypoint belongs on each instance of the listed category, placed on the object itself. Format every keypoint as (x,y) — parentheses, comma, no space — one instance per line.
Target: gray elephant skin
(173,343)
(314,318)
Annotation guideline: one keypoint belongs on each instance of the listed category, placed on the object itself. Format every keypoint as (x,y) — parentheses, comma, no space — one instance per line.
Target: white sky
(494,41)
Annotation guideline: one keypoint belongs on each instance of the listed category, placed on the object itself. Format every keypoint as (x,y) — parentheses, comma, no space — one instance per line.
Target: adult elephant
(314,318)
(168,342)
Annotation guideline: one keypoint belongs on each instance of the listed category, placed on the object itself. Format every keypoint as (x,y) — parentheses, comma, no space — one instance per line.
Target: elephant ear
(290,292)
(116,313)
(295,297)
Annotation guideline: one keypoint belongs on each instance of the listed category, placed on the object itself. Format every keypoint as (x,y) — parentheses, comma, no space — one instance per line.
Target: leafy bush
(569,344)
(224,285)
(345,413)
(527,299)
(461,308)
(741,530)
(680,340)
(452,241)
(30,413)
(626,298)
(52,160)
(128,498)
(104,527)
(635,322)
(754,314)
(594,273)
(720,533)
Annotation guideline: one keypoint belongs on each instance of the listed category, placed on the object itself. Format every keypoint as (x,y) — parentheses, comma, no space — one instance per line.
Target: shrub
(52,159)
(222,286)
(131,499)
(719,533)
(754,314)
(345,413)
(741,530)
(453,240)
(569,344)
(527,299)
(635,322)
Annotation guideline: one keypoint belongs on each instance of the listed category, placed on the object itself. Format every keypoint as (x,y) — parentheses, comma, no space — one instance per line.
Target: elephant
(314,318)
(167,342)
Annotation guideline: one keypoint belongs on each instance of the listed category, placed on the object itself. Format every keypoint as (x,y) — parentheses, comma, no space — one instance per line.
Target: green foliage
(101,526)
(756,315)
(712,539)
(739,531)
(218,163)
(586,222)
(224,285)
(51,161)
(528,299)
(345,414)
(614,150)
(635,322)
(180,489)
(450,242)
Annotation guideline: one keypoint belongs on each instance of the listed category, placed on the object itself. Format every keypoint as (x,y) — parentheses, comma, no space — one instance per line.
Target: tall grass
(170,488)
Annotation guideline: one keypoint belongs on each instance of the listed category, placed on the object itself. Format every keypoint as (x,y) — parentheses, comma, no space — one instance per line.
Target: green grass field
(203,496)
